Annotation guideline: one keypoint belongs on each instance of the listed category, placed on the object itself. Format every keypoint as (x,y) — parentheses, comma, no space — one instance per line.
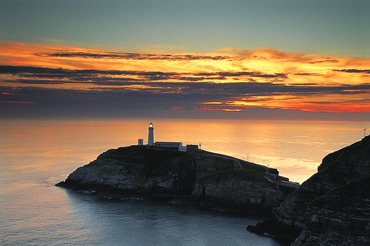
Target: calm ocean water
(36,154)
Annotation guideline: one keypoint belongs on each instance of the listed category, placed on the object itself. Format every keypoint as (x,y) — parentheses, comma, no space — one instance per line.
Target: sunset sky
(254,59)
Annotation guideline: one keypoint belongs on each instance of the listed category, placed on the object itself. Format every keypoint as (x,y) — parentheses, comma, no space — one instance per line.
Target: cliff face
(333,206)
(211,179)
(136,170)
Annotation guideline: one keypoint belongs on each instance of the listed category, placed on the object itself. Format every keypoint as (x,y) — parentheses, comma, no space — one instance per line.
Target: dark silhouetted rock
(333,206)
(209,179)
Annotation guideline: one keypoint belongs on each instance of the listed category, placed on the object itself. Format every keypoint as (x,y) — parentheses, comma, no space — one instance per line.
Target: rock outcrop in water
(333,206)
(209,179)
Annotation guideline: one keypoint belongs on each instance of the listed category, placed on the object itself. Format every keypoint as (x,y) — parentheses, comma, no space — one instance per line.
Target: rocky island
(332,208)
(203,178)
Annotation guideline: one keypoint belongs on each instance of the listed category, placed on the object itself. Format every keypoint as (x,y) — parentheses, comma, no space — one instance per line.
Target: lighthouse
(151,134)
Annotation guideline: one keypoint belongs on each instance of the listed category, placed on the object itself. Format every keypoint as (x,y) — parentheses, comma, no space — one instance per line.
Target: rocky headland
(196,176)
(330,208)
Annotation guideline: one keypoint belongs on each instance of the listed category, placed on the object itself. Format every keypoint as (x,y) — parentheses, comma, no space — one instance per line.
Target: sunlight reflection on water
(36,154)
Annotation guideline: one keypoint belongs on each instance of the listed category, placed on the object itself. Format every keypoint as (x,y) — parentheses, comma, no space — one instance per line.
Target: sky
(248,59)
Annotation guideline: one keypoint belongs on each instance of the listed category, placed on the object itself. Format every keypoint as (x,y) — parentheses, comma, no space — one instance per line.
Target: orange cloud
(219,109)
(177,108)
(78,68)
(315,103)
(317,69)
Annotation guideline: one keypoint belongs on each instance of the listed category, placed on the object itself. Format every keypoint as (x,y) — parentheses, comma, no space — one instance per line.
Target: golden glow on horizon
(225,66)
(266,142)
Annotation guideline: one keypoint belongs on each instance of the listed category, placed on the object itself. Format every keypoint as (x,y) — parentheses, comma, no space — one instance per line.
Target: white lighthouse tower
(151,134)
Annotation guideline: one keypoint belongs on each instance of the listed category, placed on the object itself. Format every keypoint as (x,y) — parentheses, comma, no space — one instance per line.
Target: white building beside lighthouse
(169,145)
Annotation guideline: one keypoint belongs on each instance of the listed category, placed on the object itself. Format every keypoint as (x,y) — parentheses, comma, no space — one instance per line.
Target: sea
(37,154)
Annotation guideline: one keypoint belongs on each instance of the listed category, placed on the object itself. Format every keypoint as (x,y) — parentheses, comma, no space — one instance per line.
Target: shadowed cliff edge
(196,176)
(330,208)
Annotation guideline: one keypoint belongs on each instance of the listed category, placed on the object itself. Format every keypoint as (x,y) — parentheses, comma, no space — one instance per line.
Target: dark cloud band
(135,56)
(98,75)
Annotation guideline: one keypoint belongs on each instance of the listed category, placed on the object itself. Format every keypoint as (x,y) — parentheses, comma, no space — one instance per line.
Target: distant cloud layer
(137,56)
(47,80)
(133,76)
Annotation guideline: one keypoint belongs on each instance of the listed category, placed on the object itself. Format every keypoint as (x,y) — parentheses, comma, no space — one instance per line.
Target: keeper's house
(170,145)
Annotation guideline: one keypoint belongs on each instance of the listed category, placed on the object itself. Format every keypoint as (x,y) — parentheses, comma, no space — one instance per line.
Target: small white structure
(151,135)
(170,145)
(140,142)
